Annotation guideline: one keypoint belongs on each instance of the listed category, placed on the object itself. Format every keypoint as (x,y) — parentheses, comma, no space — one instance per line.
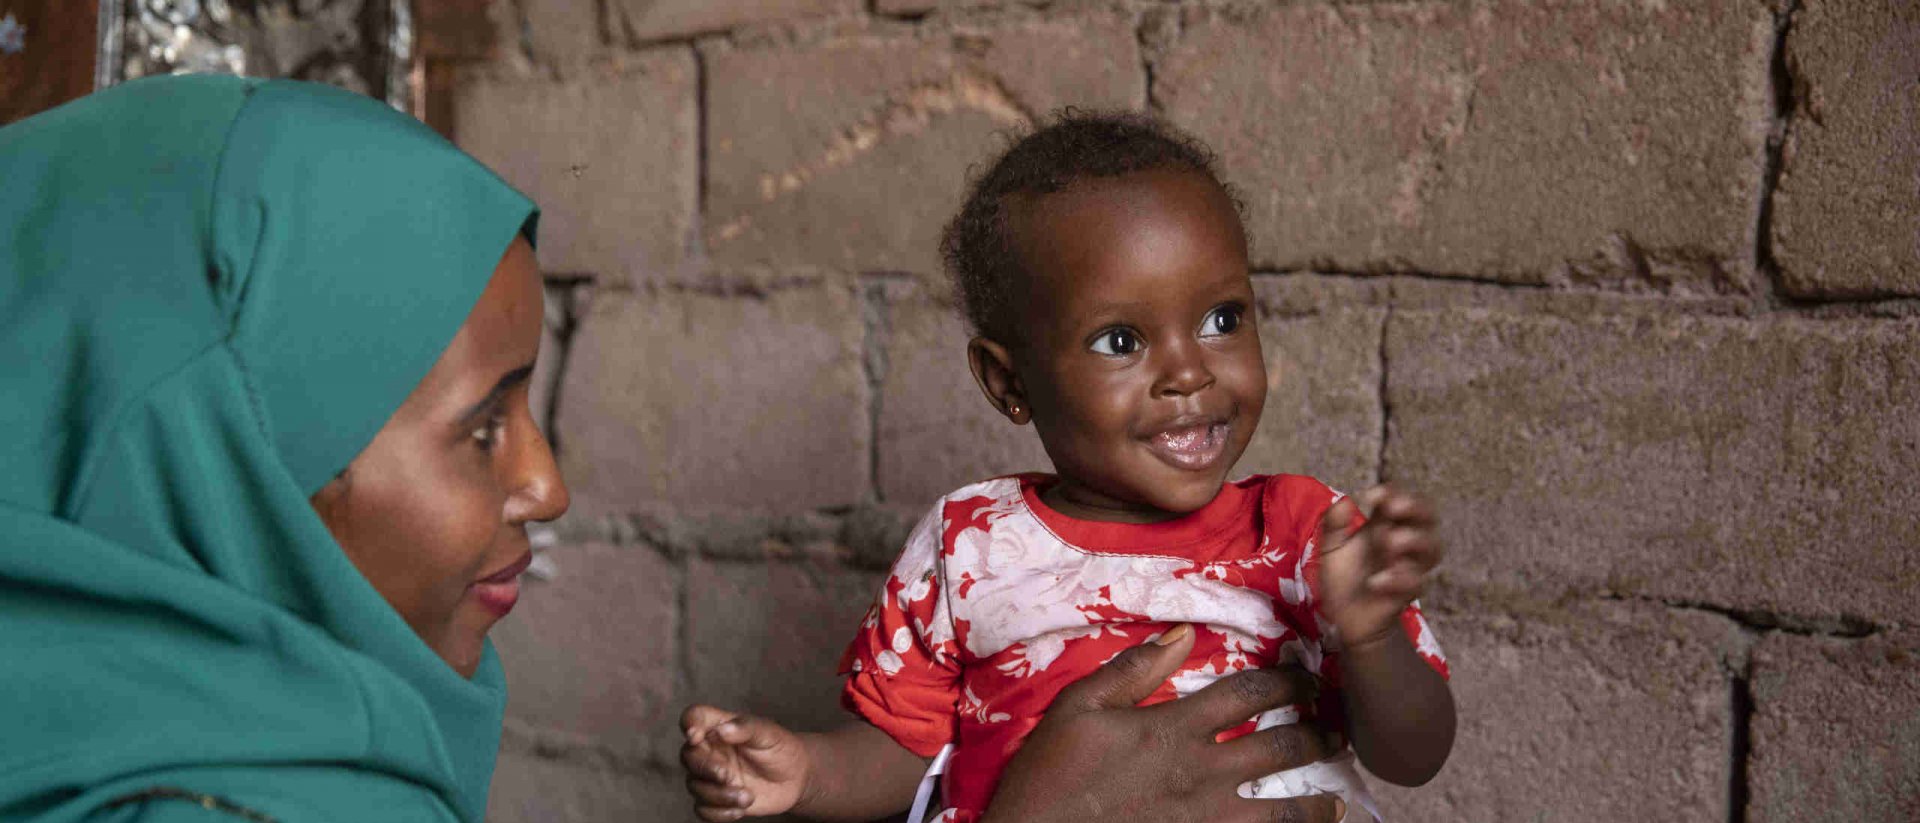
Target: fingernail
(1339,808)
(1174,635)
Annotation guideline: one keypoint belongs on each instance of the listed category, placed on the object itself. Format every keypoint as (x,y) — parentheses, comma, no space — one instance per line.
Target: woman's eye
(487,434)
(1116,342)
(1221,322)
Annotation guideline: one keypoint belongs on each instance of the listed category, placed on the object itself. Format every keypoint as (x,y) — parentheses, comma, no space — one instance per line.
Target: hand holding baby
(1369,574)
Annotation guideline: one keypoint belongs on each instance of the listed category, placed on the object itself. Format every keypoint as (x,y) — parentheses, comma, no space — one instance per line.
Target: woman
(269,466)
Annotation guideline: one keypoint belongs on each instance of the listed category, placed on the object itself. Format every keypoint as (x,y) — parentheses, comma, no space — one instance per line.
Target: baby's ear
(992,365)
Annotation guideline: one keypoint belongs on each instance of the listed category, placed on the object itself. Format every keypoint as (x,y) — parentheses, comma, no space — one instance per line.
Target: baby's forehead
(1161,211)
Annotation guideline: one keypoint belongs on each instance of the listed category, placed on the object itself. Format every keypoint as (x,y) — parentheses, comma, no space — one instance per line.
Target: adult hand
(1097,757)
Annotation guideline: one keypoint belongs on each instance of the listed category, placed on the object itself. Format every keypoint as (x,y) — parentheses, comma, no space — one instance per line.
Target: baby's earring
(1013,410)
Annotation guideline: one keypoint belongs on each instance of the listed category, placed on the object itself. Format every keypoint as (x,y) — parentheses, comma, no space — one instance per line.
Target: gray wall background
(1629,287)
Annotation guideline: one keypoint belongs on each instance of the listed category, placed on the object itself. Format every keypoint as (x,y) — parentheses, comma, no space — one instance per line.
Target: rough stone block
(559,31)
(1607,711)
(1836,729)
(590,654)
(755,399)
(850,150)
(937,431)
(767,637)
(1323,415)
(643,20)
(922,6)
(1755,464)
(529,788)
(1510,140)
(610,153)
(1847,205)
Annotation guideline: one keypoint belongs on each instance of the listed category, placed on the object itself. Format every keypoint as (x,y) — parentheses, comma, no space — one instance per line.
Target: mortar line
(873,368)
(1386,407)
(1150,94)
(1780,95)
(1846,627)
(701,160)
(1740,709)
(567,291)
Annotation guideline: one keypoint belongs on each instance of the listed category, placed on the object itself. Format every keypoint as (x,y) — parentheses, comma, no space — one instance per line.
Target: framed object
(365,46)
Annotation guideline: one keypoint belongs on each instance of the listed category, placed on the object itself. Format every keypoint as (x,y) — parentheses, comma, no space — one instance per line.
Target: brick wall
(1629,287)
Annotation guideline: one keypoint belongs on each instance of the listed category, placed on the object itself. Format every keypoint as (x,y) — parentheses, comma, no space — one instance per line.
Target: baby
(1104,267)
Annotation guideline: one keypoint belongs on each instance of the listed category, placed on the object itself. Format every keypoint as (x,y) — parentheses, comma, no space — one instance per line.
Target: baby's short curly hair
(978,244)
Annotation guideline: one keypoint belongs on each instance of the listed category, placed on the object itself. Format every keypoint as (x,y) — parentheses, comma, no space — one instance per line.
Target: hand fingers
(715,814)
(1274,749)
(1406,555)
(705,763)
(748,732)
(1130,676)
(1397,582)
(1337,524)
(718,796)
(1229,701)
(698,719)
(1404,508)
(1319,808)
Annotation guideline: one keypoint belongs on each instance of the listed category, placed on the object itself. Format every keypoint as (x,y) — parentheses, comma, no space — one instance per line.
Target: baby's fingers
(750,733)
(706,763)
(1403,508)
(698,720)
(1400,581)
(717,797)
(1413,546)
(1338,524)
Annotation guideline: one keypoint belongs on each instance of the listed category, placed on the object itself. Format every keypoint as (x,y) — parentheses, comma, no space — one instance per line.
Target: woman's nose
(538,492)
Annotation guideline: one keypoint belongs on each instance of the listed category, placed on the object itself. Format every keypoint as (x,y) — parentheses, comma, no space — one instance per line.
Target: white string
(934,770)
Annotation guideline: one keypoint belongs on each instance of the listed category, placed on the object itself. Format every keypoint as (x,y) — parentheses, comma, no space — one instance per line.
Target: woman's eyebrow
(505,384)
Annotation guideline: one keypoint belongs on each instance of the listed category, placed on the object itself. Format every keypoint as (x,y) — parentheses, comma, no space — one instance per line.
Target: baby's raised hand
(740,765)
(1369,575)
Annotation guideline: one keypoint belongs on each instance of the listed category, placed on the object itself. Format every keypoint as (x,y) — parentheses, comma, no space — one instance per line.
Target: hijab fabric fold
(213,292)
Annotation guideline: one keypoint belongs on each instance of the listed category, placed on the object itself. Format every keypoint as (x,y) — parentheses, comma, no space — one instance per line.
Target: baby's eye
(1221,322)
(1116,342)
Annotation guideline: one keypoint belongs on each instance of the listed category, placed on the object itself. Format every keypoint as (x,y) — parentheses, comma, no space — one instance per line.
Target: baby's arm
(745,766)
(1399,710)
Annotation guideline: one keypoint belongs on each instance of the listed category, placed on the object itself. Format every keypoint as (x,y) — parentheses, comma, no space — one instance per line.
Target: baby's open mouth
(1193,448)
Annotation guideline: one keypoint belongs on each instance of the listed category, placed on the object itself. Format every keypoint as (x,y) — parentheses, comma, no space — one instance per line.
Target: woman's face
(434,511)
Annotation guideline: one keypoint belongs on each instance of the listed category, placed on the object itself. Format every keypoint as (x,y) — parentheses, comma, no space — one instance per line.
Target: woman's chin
(464,643)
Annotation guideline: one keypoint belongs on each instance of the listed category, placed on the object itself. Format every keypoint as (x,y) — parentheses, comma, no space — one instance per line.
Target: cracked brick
(685,397)
(609,153)
(1835,732)
(1844,210)
(1740,463)
(850,151)
(1592,697)
(1502,140)
(589,654)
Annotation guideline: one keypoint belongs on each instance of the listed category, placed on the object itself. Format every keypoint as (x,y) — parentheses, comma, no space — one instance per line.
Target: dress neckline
(1232,507)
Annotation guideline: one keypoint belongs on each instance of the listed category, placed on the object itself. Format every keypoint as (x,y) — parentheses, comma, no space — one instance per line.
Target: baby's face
(1140,358)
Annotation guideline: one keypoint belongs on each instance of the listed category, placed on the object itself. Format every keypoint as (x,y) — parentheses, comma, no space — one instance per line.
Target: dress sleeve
(1307,502)
(902,675)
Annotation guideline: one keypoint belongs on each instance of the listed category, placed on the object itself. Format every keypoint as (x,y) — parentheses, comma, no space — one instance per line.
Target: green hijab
(213,292)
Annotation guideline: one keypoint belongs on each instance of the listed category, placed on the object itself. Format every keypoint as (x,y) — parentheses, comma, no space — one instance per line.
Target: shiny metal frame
(194,44)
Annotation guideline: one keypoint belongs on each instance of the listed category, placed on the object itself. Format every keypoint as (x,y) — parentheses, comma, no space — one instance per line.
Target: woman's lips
(498,592)
(1193,447)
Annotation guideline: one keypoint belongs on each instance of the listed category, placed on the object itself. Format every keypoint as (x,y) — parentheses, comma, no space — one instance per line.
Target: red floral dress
(998,602)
